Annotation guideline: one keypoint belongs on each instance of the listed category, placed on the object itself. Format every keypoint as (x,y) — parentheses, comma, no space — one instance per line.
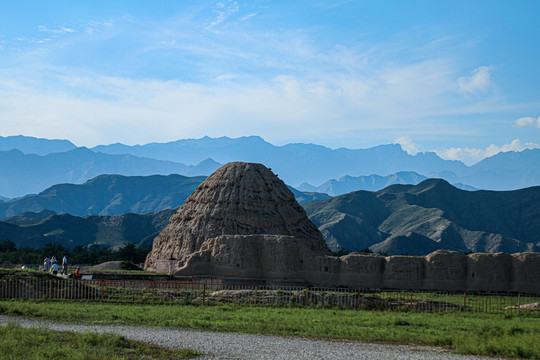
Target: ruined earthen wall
(441,270)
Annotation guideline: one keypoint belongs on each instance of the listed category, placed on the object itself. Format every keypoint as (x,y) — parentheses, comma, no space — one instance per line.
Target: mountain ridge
(452,219)
(71,231)
(381,160)
(117,194)
(400,219)
(295,163)
(347,183)
(290,160)
(33,145)
(30,173)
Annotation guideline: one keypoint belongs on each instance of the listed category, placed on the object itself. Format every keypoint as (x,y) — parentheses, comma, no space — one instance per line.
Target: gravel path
(241,346)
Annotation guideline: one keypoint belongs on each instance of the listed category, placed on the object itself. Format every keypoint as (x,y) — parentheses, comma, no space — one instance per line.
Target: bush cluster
(81,255)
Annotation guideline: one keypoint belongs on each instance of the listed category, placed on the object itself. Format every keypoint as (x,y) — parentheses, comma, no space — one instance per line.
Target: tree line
(79,255)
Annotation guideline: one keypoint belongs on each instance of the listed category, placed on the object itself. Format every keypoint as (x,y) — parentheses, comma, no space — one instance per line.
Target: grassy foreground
(503,335)
(20,343)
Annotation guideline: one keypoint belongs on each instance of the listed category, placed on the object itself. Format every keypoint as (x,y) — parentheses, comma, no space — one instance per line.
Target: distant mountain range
(505,171)
(419,219)
(299,163)
(29,173)
(37,229)
(415,219)
(31,145)
(117,194)
(347,184)
(294,163)
(25,173)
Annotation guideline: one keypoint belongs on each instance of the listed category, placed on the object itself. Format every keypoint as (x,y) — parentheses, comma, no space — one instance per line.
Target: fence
(214,291)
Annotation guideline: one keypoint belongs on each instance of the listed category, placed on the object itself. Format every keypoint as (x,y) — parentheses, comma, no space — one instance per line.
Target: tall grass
(504,335)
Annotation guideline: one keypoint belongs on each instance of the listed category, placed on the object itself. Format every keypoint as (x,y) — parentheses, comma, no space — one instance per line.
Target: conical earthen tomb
(241,221)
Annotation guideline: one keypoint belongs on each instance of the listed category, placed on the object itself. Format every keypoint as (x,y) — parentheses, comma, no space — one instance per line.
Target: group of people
(51,264)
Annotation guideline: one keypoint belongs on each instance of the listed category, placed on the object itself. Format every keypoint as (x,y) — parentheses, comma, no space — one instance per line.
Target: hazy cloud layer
(472,156)
(91,108)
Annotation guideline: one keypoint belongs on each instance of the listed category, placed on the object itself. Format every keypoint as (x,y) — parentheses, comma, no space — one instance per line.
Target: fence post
(464,301)
(256,288)
(102,288)
(307,297)
(358,300)
(519,303)
(153,289)
(204,293)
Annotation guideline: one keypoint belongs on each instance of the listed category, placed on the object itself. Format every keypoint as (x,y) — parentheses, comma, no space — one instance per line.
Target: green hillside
(27,230)
(117,194)
(108,195)
(407,219)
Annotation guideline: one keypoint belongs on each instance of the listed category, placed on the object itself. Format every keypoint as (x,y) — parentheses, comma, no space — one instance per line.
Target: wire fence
(215,291)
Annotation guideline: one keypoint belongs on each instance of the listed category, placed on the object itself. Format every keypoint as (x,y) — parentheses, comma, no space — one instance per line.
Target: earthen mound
(239,199)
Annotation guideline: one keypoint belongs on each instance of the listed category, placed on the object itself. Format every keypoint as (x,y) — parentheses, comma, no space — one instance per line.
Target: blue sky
(457,77)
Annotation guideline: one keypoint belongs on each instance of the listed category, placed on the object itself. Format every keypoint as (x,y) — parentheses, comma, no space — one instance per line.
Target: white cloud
(471,156)
(59,30)
(407,145)
(528,121)
(479,81)
(248,16)
(93,26)
(224,9)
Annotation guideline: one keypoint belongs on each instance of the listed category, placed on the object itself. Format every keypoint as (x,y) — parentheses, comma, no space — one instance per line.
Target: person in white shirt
(64,266)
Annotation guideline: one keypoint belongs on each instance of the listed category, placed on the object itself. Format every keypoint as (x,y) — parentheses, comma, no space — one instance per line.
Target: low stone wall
(441,270)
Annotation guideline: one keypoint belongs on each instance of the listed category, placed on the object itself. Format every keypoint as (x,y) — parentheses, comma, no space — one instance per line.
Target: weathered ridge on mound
(240,203)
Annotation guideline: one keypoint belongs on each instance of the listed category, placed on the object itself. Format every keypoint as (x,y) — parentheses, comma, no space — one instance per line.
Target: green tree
(7,246)
(127,253)
(51,249)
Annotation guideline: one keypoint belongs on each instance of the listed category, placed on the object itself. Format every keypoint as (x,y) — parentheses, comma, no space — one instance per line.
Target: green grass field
(19,343)
(504,335)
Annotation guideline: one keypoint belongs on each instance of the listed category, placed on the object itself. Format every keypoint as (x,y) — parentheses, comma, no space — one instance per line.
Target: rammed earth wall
(441,270)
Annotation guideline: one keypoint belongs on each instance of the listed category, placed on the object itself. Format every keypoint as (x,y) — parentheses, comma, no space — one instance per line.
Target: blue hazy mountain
(347,184)
(32,145)
(505,170)
(297,164)
(294,163)
(29,173)
(304,197)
